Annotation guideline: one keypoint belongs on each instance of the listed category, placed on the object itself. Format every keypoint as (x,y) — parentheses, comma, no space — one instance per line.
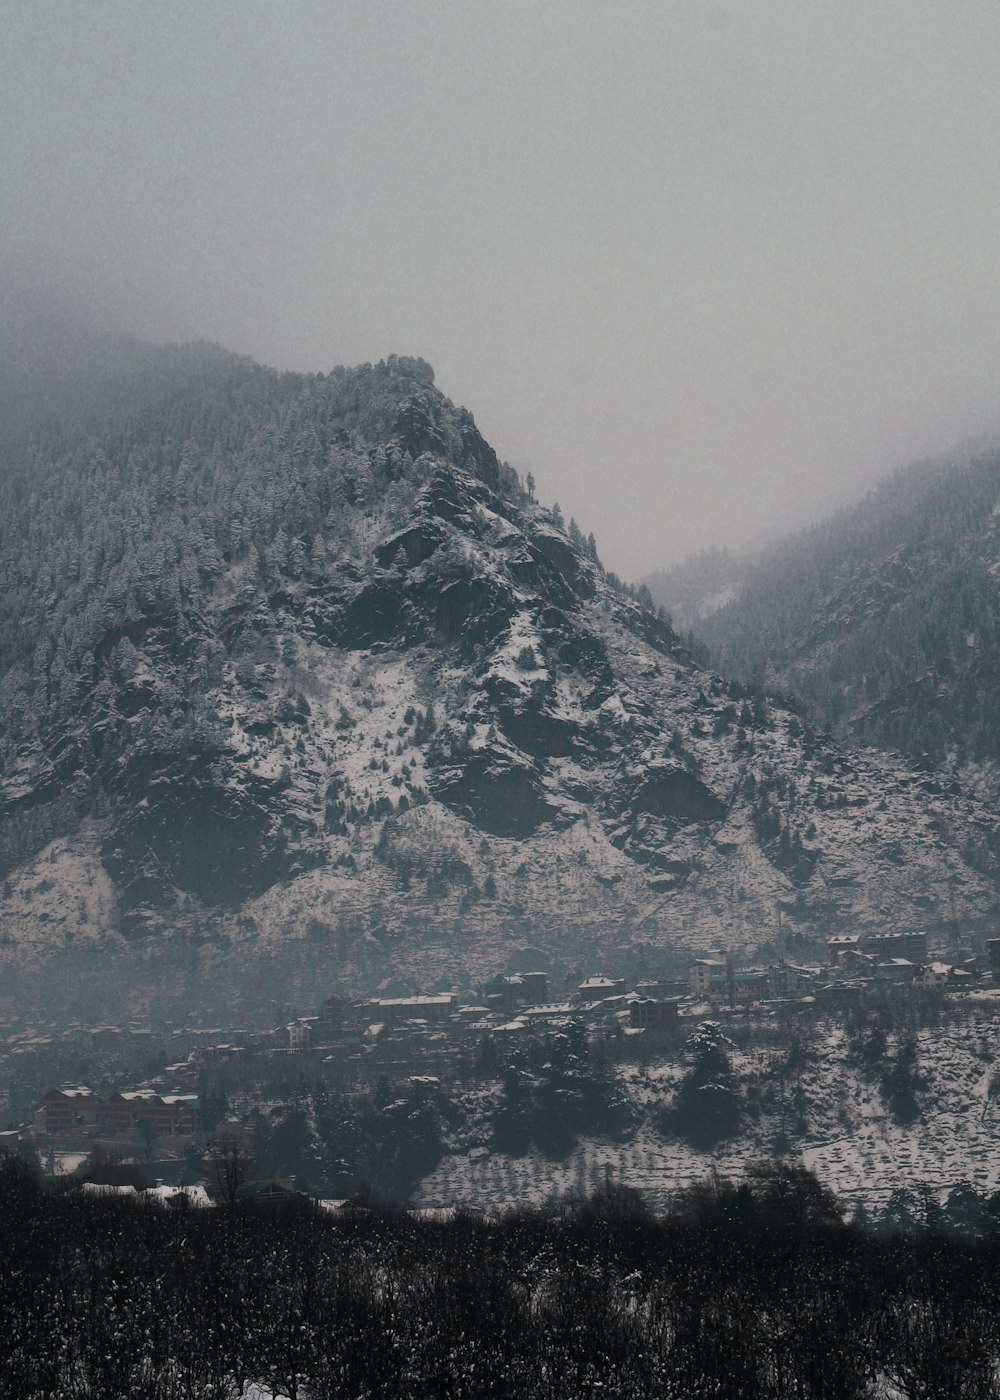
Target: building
(655,1014)
(838,995)
(600,987)
(300,1032)
(855,963)
(886,946)
(504,993)
(789,980)
(663,987)
(334,1016)
(935,975)
(738,988)
(896,970)
(390,1011)
(939,975)
(78,1113)
(701,973)
(106,1037)
(550,1012)
(536,987)
(142,1110)
(840,944)
(67,1111)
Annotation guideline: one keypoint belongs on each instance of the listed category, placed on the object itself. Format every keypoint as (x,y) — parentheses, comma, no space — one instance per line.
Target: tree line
(758,1290)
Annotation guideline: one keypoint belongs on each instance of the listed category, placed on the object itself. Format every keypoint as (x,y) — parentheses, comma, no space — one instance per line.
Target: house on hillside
(336,1018)
(887,946)
(790,980)
(505,992)
(896,970)
(390,1011)
(841,944)
(600,988)
(106,1037)
(939,975)
(739,988)
(658,1015)
(701,973)
(300,1032)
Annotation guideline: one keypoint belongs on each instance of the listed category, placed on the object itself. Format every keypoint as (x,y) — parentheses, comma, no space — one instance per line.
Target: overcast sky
(707,268)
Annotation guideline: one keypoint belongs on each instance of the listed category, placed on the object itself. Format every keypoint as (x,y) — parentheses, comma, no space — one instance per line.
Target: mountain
(698,586)
(885,620)
(294,667)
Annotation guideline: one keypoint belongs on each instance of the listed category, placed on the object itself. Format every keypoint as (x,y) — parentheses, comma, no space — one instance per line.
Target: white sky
(707,268)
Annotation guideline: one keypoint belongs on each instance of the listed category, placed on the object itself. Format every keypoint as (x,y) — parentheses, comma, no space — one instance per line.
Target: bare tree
(230,1166)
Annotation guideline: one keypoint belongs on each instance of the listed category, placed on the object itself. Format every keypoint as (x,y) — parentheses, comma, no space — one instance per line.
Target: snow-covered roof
(196,1195)
(444,999)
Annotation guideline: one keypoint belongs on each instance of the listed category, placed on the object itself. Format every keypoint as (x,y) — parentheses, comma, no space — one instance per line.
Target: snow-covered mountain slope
(884,619)
(304,660)
(820,1104)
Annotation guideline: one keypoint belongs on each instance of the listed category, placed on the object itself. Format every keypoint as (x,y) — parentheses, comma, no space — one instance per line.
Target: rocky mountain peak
(297,656)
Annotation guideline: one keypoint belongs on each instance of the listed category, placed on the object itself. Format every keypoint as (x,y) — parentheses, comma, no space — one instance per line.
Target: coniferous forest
(100,540)
(752,1291)
(884,619)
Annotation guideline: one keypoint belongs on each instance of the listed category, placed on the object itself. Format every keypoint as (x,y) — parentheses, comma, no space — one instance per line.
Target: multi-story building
(840,945)
(702,971)
(68,1111)
(655,1014)
(738,988)
(391,1010)
(886,946)
(600,988)
(77,1112)
(301,1032)
(899,970)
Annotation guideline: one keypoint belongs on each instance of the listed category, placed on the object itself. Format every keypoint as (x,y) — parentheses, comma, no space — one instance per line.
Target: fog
(705,268)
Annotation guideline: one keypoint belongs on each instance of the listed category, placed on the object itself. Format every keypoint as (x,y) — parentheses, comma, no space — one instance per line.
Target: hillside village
(162,1105)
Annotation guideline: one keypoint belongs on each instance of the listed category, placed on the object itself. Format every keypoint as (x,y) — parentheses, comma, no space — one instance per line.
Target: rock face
(324,666)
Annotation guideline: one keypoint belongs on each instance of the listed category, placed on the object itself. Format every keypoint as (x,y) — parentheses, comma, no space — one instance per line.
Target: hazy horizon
(707,270)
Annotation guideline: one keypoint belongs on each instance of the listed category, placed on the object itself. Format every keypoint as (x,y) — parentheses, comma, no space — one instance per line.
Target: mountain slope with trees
(296,657)
(884,620)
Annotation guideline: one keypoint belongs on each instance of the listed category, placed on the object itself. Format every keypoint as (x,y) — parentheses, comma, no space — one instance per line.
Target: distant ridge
(885,620)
